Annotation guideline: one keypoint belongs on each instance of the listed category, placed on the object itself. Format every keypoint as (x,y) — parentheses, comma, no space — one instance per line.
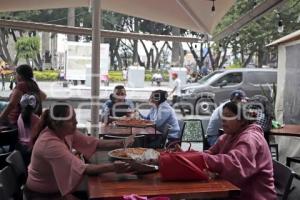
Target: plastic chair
(139,140)
(283,177)
(15,160)
(8,184)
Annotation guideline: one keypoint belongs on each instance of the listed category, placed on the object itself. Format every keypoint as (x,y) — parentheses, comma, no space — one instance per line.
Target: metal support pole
(96,10)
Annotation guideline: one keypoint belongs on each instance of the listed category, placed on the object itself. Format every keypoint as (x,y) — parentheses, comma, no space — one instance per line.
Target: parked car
(203,97)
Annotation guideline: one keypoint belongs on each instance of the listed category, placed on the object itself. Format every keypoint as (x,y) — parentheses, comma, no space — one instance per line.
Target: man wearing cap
(215,121)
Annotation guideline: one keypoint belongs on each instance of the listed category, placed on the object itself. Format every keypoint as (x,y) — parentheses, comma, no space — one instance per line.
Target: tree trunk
(248,59)
(4,49)
(147,54)
(158,54)
(176,47)
(71,22)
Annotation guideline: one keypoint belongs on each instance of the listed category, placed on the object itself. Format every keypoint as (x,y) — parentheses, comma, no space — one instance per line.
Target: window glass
(262,77)
(231,79)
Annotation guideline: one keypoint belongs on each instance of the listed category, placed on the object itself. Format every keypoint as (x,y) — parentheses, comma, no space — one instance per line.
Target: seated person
(163,115)
(157,77)
(54,171)
(242,155)
(26,124)
(215,121)
(117,105)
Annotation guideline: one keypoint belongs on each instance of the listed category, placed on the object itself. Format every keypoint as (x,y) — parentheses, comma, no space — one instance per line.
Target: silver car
(203,97)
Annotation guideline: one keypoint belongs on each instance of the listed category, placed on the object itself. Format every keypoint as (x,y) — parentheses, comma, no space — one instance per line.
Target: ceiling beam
(35,26)
(253,14)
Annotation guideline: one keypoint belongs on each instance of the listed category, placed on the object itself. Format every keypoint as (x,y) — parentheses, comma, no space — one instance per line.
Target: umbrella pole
(95,87)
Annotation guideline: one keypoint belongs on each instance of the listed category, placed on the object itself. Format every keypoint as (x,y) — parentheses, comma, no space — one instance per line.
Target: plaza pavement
(55,90)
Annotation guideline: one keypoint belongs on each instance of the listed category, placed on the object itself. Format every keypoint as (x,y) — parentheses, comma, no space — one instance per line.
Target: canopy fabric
(195,15)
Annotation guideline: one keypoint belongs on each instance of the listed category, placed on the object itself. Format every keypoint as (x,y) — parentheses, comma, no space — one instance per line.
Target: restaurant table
(123,131)
(114,186)
(287,130)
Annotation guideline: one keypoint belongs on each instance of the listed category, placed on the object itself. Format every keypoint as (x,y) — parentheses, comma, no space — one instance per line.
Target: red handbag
(182,165)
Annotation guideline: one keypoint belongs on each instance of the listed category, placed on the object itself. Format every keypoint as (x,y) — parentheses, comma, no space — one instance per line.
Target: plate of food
(131,122)
(139,154)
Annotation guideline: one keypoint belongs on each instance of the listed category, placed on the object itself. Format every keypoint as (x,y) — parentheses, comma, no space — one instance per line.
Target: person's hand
(121,167)
(140,168)
(129,140)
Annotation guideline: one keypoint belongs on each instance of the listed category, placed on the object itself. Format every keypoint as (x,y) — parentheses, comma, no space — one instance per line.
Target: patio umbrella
(196,15)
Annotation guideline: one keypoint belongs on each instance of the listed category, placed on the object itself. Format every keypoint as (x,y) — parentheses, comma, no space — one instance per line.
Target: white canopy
(194,15)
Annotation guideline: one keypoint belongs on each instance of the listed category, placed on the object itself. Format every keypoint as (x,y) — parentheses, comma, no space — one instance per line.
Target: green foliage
(28,47)
(116,76)
(47,75)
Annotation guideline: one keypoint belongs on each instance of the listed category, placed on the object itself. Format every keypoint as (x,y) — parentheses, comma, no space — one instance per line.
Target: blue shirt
(120,109)
(164,117)
(214,124)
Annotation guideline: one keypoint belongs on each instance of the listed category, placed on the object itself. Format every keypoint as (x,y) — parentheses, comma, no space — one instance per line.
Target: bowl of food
(139,154)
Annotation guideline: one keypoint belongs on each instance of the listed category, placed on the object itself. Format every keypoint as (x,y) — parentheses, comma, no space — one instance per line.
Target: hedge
(47,75)
(114,76)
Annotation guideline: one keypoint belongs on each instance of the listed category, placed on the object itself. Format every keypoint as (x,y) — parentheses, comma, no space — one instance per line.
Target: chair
(139,140)
(15,160)
(3,162)
(272,146)
(196,129)
(9,138)
(283,178)
(8,184)
(165,142)
(182,128)
(290,160)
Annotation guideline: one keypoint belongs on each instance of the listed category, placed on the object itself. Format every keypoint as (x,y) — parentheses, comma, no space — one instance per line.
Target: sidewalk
(55,90)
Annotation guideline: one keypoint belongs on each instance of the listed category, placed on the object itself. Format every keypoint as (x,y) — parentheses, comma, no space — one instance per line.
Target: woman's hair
(159,96)
(242,111)
(28,105)
(54,117)
(25,71)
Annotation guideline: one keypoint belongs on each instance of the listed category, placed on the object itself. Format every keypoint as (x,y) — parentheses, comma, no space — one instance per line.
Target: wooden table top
(287,130)
(122,131)
(114,186)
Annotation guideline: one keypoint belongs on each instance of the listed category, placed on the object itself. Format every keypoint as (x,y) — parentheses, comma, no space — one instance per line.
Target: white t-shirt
(177,84)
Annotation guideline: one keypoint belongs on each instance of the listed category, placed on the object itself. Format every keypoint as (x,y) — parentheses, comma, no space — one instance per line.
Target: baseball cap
(240,94)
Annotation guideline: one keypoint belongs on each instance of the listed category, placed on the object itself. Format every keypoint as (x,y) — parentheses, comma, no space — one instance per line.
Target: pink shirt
(53,167)
(245,161)
(24,132)
(15,112)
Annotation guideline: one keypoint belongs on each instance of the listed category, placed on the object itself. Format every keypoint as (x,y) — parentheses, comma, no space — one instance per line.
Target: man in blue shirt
(117,105)
(215,122)
(163,115)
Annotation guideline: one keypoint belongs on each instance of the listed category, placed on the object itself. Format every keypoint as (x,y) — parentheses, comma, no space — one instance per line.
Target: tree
(251,40)
(28,48)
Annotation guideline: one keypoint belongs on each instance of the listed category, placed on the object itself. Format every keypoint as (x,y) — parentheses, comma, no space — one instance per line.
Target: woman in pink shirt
(25,84)
(26,123)
(242,155)
(54,171)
